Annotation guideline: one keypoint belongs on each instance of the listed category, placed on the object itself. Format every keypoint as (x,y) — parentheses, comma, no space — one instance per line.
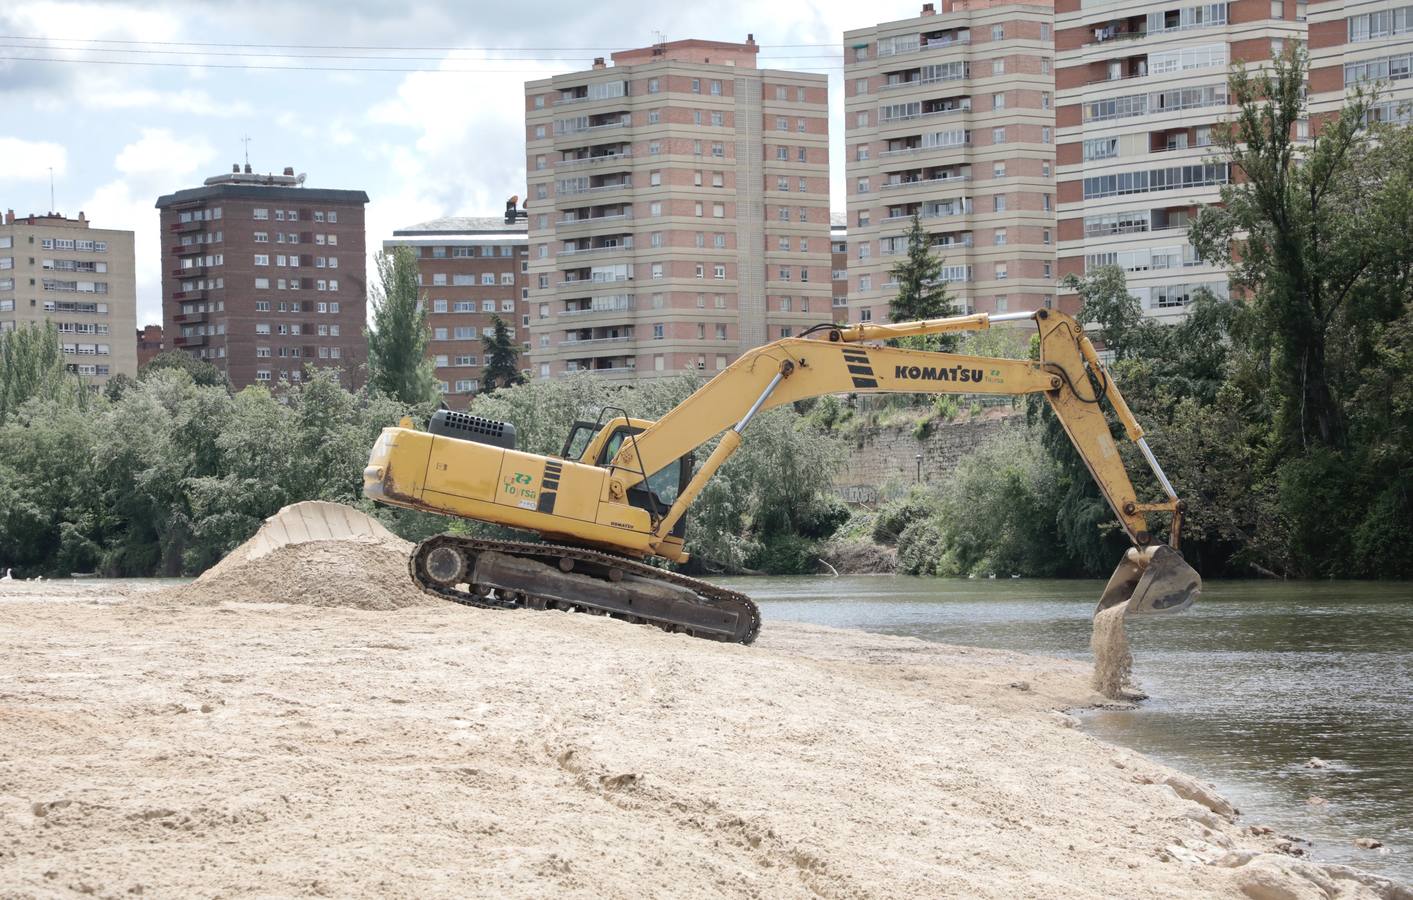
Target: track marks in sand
(757,845)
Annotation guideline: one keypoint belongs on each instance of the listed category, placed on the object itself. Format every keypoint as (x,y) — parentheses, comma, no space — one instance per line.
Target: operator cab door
(658,493)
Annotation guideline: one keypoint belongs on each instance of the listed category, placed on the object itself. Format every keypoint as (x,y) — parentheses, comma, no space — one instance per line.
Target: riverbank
(238,748)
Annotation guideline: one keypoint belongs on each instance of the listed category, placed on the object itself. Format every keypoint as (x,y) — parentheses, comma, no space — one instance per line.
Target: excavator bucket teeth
(1151,581)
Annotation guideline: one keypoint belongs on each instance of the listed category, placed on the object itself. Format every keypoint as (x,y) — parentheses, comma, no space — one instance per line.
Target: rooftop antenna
(246,141)
(51,188)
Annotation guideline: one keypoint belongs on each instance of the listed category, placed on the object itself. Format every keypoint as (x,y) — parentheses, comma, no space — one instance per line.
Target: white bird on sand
(1015,576)
(992,576)
(8,576)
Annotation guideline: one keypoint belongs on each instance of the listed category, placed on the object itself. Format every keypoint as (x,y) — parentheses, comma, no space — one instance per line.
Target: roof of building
(260,192)
(461,225)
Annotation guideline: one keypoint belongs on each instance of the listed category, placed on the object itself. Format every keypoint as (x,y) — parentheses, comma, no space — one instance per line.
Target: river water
(1244,688)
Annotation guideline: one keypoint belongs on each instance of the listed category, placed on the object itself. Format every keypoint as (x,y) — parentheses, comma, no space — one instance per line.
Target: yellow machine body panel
(557,498)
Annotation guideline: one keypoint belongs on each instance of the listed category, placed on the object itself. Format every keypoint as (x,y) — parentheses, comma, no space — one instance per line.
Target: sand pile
(1113,663)
(316,554)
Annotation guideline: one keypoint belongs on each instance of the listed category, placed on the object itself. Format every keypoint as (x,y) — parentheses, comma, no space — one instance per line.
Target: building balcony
(190,318)
(592,221)
(190,272)
(625,185)
(580,342)
(937,43)
(187,249)
(909,151)
(607,159)
(580,284)
(601,370)
(584,251)
(617,311)
(190,340)
(934,114)
(189,295)
(185,227)
(923,182)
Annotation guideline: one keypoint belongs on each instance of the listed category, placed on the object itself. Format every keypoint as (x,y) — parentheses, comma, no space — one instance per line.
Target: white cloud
(152,165)
(198,103)
(22,160)
(161,153)
(467,154)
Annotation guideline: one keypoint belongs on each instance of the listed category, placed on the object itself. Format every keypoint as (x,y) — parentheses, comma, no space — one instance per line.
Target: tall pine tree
(922,294)
(502,359)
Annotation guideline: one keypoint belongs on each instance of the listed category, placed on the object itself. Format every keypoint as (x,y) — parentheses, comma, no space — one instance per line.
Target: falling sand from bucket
(1113,663)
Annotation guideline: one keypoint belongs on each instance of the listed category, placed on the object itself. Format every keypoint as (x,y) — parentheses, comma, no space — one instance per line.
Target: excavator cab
(658,492)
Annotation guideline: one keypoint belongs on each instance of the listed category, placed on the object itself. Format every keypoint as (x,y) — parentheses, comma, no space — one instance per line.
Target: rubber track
(552,553)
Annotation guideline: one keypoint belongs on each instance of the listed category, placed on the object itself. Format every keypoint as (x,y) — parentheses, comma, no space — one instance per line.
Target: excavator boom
(622,486)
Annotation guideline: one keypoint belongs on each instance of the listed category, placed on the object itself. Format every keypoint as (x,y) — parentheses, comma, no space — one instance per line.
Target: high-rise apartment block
(678,210)
(949,116)
(1367,42)
(263,277)
(80,278)
(1140,88)
(472,270)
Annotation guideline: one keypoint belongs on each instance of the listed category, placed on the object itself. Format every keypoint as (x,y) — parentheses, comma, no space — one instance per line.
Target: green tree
(31,365)
(1116,315)
(398,364)
(202,372)
(502,358)
(922,294)
(1308,223)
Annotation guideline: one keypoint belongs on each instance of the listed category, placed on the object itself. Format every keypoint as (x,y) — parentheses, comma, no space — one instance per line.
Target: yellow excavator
(619,491)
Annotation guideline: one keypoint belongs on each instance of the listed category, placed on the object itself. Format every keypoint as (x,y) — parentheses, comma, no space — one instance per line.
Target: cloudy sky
(127,101)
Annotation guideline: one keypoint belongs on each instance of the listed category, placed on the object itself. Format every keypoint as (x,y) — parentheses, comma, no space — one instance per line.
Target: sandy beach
(175,744)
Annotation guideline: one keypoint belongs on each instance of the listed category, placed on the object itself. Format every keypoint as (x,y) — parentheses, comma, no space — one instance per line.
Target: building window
(1000,271)
(696,85)
(998,67)
(1000,236)
(998,135)
(999,203)
(998,32)
(719,271)
(262,260)
(653,86)
(716,87)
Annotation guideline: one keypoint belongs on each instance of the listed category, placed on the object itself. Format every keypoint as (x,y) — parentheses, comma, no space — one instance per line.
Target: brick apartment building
(149,344)
(678,210)
(81,278)
(263,277)
(1140,87)
(949,115)
(1361,41)
(472,270)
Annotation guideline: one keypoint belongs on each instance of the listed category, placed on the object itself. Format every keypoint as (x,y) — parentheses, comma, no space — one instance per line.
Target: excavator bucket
(1153,580)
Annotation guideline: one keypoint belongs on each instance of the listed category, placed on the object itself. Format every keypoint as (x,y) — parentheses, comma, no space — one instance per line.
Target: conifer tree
(502,359)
